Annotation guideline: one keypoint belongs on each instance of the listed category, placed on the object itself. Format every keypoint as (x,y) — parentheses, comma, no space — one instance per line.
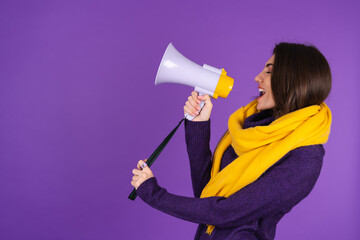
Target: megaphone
(175,68)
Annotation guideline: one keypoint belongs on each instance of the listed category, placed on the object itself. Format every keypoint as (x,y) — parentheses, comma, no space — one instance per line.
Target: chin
(259,108)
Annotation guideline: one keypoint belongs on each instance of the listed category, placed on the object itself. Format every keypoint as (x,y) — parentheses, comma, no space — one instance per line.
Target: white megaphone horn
(175,68)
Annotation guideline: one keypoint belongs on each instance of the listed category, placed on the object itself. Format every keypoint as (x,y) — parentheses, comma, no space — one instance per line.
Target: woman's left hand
(141,175)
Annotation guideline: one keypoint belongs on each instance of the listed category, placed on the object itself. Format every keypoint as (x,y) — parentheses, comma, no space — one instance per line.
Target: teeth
(262,91)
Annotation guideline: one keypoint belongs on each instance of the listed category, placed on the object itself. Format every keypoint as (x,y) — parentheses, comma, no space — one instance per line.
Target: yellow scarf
(260,147)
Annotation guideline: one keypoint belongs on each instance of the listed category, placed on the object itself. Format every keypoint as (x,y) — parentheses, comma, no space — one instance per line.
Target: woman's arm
(197,136)
(278,189)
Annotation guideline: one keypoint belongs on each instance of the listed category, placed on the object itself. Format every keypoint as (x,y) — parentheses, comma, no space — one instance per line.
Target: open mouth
(261,92)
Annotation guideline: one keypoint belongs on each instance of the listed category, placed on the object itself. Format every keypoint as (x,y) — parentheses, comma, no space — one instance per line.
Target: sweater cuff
(147,189)
(197,132)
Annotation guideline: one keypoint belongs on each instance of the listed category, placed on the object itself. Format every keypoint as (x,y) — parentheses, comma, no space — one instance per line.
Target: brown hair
(300,77)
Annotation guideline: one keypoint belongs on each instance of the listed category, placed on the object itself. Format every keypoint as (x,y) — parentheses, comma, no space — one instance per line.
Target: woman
(268,160)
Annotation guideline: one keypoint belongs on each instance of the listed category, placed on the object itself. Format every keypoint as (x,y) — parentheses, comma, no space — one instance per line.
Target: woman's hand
(141,175)
(192,106)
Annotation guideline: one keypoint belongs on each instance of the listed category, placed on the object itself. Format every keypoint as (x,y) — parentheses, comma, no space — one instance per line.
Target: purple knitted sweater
(253,211)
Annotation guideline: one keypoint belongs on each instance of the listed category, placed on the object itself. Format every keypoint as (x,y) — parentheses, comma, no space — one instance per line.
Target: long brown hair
(300,77)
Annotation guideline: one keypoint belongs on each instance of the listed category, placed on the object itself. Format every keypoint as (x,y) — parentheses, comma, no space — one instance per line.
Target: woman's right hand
(192,107)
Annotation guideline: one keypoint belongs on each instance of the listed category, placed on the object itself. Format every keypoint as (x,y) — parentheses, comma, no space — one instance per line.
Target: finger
(188,111)
(206,98)
(203,97)
(142,164)
(134,184)
(191,108)
(135,178)
(146,167)
(194,95)
(146,172)
(136,171)
(194,103)
(139,164)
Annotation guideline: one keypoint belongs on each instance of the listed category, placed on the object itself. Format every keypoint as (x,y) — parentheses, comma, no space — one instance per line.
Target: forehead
(271,60)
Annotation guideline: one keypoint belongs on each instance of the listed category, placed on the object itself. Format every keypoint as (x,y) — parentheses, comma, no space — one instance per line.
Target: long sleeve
(197,136)
(277,190)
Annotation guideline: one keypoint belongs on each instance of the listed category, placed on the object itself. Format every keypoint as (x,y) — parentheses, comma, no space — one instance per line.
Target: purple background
(79,108)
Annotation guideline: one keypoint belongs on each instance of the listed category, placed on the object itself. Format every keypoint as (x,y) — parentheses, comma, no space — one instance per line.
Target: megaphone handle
(202,103)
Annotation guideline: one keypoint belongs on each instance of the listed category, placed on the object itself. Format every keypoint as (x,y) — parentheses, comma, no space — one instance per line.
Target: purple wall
(79,108)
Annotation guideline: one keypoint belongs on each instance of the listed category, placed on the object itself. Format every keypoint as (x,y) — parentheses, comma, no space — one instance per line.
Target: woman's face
(265,99)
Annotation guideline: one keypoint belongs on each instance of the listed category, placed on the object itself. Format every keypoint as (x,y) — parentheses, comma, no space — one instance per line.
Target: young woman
(268,160)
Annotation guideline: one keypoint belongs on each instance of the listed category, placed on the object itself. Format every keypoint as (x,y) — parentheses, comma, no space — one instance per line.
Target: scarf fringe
(210,229)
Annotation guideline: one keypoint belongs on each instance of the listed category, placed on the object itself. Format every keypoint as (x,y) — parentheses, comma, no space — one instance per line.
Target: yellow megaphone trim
(224,85)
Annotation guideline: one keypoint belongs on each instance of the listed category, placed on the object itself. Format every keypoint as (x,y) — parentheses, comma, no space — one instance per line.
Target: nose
(258,78)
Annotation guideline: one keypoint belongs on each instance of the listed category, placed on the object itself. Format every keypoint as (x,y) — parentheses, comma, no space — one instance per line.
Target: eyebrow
(269,64)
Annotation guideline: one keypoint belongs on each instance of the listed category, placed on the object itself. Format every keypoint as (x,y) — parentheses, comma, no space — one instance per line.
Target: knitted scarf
(258,148)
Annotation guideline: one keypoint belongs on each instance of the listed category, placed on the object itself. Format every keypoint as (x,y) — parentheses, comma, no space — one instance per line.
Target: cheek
(271,99)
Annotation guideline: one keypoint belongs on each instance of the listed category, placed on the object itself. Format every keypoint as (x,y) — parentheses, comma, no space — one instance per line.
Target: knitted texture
(260,147)
(254,211)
